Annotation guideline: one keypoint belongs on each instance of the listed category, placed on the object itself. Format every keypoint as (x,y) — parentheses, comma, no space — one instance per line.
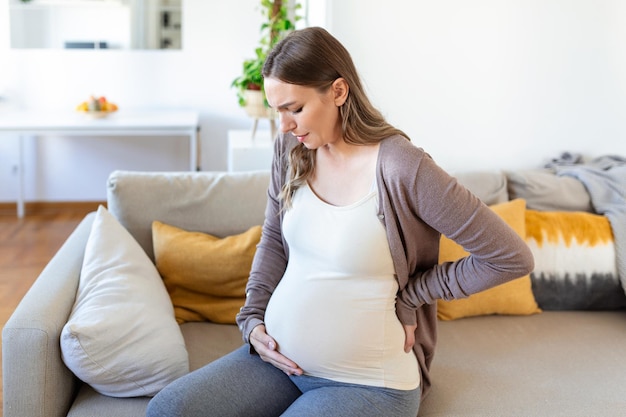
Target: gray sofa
(554,363)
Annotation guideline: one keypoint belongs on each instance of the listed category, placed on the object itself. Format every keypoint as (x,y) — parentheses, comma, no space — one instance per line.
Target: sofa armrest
(36,382)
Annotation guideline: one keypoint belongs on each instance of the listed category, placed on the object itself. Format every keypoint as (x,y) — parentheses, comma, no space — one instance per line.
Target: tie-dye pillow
(575,264)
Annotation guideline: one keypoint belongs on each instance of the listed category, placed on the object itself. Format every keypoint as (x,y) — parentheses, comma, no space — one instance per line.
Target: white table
(122,123)
(246,153)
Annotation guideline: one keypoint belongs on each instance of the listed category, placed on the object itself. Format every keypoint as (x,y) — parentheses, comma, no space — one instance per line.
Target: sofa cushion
(205,276)
(558,363)
(218,203)
(121,313)
(575,261)
(205,342)
(543,190)
(511,298)
(489,186)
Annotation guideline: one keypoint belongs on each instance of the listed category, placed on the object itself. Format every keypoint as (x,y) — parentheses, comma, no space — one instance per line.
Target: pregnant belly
(344,329)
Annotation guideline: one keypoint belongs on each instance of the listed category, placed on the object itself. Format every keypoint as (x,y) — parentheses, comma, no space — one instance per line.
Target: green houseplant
(278,22)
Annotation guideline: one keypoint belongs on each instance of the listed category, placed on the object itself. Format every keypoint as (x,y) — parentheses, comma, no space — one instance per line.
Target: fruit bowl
(96,107)
(96,114)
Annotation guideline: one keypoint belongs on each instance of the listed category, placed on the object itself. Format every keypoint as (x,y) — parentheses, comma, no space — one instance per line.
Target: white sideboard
(249,154)
(140,123)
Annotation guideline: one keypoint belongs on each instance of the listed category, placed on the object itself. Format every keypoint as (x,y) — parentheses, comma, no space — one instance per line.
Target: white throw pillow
(122,337)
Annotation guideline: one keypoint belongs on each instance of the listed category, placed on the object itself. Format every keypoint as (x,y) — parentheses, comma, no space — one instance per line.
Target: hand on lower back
(409,338)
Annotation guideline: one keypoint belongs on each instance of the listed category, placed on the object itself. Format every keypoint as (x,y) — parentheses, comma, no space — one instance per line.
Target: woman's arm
(497,254)
(270,260)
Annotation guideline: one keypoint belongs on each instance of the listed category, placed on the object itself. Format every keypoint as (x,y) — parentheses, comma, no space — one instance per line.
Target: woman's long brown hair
(312,57)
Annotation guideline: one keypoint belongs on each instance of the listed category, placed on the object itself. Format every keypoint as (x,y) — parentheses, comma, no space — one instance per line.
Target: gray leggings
(242,385)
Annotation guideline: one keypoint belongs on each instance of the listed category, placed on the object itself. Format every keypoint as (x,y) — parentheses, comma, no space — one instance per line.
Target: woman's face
(311,116)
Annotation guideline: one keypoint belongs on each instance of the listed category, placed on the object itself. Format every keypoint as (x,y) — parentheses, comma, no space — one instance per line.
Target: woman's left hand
(409,338)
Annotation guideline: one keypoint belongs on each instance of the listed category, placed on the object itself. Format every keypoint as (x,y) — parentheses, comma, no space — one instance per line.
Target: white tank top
(333,313)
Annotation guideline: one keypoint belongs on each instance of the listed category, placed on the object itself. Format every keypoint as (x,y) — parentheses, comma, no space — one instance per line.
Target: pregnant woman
(340,312)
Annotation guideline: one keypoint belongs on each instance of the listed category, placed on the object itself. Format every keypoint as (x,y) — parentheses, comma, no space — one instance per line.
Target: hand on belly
(266,347)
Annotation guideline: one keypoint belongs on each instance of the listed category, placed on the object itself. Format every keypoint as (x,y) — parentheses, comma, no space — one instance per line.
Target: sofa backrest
(489,186)
(221,203)
(218,203)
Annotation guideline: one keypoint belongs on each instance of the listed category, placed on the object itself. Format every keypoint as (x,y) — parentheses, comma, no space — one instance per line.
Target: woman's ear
(340,90)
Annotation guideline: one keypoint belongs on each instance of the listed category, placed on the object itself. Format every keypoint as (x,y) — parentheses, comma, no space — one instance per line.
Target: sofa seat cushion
(89,403)
(205,343)
(552,364)
(543,365)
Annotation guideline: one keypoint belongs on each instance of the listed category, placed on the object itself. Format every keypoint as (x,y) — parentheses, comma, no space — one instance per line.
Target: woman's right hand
(267,349)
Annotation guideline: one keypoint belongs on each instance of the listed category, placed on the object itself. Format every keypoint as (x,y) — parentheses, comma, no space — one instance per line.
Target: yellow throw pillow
(511,298)
(205,276)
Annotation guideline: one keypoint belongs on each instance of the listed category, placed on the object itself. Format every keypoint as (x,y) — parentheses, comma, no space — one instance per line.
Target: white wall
(482,84)
(494,83)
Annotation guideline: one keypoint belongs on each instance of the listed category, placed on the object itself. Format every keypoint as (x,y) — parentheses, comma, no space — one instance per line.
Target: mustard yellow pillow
(205,276)
(511,298)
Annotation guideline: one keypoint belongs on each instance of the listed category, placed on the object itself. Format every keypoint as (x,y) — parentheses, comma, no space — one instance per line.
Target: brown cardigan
(418,201)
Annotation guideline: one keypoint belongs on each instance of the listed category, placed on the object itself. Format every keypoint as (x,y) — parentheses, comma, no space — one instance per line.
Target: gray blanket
(605,181)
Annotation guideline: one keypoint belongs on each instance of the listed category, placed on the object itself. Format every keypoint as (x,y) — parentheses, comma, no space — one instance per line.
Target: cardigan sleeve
(429,199)
(270,259)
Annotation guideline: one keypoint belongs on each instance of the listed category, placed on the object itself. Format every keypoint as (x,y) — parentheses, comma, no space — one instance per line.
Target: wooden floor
(26,246)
